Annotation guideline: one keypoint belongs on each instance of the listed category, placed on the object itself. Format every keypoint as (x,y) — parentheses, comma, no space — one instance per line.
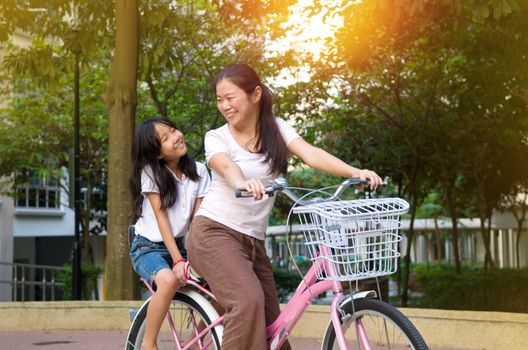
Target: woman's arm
(233,175)
(319,159)
(196,206)
(166,233)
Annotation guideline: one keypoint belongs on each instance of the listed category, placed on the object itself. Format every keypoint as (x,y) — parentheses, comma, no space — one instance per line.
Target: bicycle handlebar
(280,184)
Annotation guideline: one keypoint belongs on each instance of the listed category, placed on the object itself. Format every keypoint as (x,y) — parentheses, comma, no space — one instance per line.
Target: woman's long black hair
(269,138)
(145,153)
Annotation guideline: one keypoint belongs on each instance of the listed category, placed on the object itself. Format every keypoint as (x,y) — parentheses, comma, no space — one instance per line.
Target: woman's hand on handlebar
(374,179)
(255,187)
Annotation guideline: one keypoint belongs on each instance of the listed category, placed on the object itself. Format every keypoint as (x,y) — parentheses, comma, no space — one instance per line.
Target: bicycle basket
(355,239)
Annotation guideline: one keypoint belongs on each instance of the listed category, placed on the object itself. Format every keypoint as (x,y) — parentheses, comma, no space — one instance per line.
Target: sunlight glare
(306,33)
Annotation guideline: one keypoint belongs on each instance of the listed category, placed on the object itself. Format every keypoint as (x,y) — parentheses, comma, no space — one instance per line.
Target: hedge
(474,289)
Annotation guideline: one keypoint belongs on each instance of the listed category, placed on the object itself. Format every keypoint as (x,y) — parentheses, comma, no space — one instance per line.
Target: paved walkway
(90,340)
(99,340)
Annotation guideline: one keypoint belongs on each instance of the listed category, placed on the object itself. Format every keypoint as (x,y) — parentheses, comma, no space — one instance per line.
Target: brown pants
(239,272)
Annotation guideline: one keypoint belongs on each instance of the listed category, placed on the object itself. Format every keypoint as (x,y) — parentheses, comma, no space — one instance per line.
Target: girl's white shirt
(180,212)
(245,215)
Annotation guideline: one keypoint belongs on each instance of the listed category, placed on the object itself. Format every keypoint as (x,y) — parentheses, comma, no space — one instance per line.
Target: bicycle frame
(309,288)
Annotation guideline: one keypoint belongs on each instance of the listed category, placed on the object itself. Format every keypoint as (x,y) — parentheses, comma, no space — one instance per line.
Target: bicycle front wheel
(188,317)
(383,327)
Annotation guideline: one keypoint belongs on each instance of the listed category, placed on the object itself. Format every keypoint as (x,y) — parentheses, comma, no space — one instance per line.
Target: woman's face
(173,145)
(235,104)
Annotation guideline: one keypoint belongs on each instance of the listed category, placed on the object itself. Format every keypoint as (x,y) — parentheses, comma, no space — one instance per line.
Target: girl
(226,243)
(167,187)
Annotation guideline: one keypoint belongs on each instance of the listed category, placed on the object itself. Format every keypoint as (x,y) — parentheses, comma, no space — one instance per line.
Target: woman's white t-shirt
(180,212)
(245,215)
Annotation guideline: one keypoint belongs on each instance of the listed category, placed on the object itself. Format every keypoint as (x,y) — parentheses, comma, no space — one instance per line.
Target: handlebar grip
(242,193)
(356,181)
(239,193)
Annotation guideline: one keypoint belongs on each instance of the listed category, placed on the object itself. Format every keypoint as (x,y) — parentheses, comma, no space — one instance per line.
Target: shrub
(89,272)
(286,282)
(474,289)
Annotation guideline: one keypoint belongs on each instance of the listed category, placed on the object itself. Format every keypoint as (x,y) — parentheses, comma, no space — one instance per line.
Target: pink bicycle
(348,240)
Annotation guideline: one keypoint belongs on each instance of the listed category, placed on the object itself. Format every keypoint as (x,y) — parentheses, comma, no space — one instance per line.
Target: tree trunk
(517,243)
(453,213)
(486,237)
(120,96)
(407,257)
(489,257)
(520,226)
(438,241)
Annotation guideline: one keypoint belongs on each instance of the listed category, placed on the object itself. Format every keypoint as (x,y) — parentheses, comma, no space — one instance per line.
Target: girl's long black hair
(269,138)
(145,152)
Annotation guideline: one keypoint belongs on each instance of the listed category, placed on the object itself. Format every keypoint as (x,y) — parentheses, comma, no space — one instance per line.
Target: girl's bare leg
(159,304)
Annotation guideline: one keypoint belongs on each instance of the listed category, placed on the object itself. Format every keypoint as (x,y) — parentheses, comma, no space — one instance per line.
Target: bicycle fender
(360,295)
(136,312)
(206,305)
(200,300)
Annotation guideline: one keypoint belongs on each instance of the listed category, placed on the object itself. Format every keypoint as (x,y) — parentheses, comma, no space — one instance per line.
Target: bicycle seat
(194,276)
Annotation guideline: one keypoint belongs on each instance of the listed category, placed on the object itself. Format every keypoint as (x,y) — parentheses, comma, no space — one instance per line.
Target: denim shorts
(148,257)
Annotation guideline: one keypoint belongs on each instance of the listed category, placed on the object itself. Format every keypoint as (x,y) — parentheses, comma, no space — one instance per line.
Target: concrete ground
(100,340)
(90,340)
(103,325)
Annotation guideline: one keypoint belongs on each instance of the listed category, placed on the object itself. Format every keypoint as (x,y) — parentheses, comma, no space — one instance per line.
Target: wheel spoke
(186,321)
(375,325)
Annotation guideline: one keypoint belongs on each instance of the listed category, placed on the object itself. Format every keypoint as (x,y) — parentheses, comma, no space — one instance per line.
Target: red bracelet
(174,263)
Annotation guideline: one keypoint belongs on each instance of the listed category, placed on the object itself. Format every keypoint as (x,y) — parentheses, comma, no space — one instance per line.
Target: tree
(399,66)
(168,62)
(39,80)
(120,97)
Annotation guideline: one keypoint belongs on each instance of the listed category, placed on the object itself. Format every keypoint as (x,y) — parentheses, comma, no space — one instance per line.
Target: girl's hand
(255,187)
(375,180)
(179,271)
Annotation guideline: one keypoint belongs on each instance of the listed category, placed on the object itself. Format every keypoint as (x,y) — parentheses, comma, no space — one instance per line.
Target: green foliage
(286,282)
(474,289)
(89,272)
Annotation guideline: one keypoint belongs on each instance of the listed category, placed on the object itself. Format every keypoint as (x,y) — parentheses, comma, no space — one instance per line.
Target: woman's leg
(264,272)
(224,257)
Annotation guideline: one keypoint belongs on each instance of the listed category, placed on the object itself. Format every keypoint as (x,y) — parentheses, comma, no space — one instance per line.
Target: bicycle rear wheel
(385,327)
(189,319)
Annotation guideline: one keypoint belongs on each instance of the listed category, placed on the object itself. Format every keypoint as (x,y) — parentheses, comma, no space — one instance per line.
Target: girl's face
(173,145)
(235,104)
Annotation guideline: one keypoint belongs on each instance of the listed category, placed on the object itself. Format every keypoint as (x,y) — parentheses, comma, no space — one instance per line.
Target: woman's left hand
(375,180)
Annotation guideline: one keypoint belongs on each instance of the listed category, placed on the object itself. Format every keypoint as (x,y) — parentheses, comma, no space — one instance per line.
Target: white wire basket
(356,239)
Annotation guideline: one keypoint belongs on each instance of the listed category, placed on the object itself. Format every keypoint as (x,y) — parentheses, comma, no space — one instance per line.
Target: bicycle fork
(338,318)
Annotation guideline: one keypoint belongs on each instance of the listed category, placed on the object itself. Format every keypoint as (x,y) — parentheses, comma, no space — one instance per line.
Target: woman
(226,241)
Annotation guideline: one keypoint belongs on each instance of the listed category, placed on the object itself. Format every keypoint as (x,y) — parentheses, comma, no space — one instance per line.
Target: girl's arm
(319,159)
(231,172)
(166,234)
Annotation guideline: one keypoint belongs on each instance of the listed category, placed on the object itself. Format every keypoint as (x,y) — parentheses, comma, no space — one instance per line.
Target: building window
(37,192)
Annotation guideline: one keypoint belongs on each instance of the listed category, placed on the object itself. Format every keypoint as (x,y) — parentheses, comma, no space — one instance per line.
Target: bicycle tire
(184,310)
(382,321)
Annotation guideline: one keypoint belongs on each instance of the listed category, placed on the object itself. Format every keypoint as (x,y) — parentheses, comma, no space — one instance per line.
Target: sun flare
(306,32)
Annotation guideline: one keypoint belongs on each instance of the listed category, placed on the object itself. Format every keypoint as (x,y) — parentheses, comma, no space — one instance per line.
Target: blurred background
(432,94)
